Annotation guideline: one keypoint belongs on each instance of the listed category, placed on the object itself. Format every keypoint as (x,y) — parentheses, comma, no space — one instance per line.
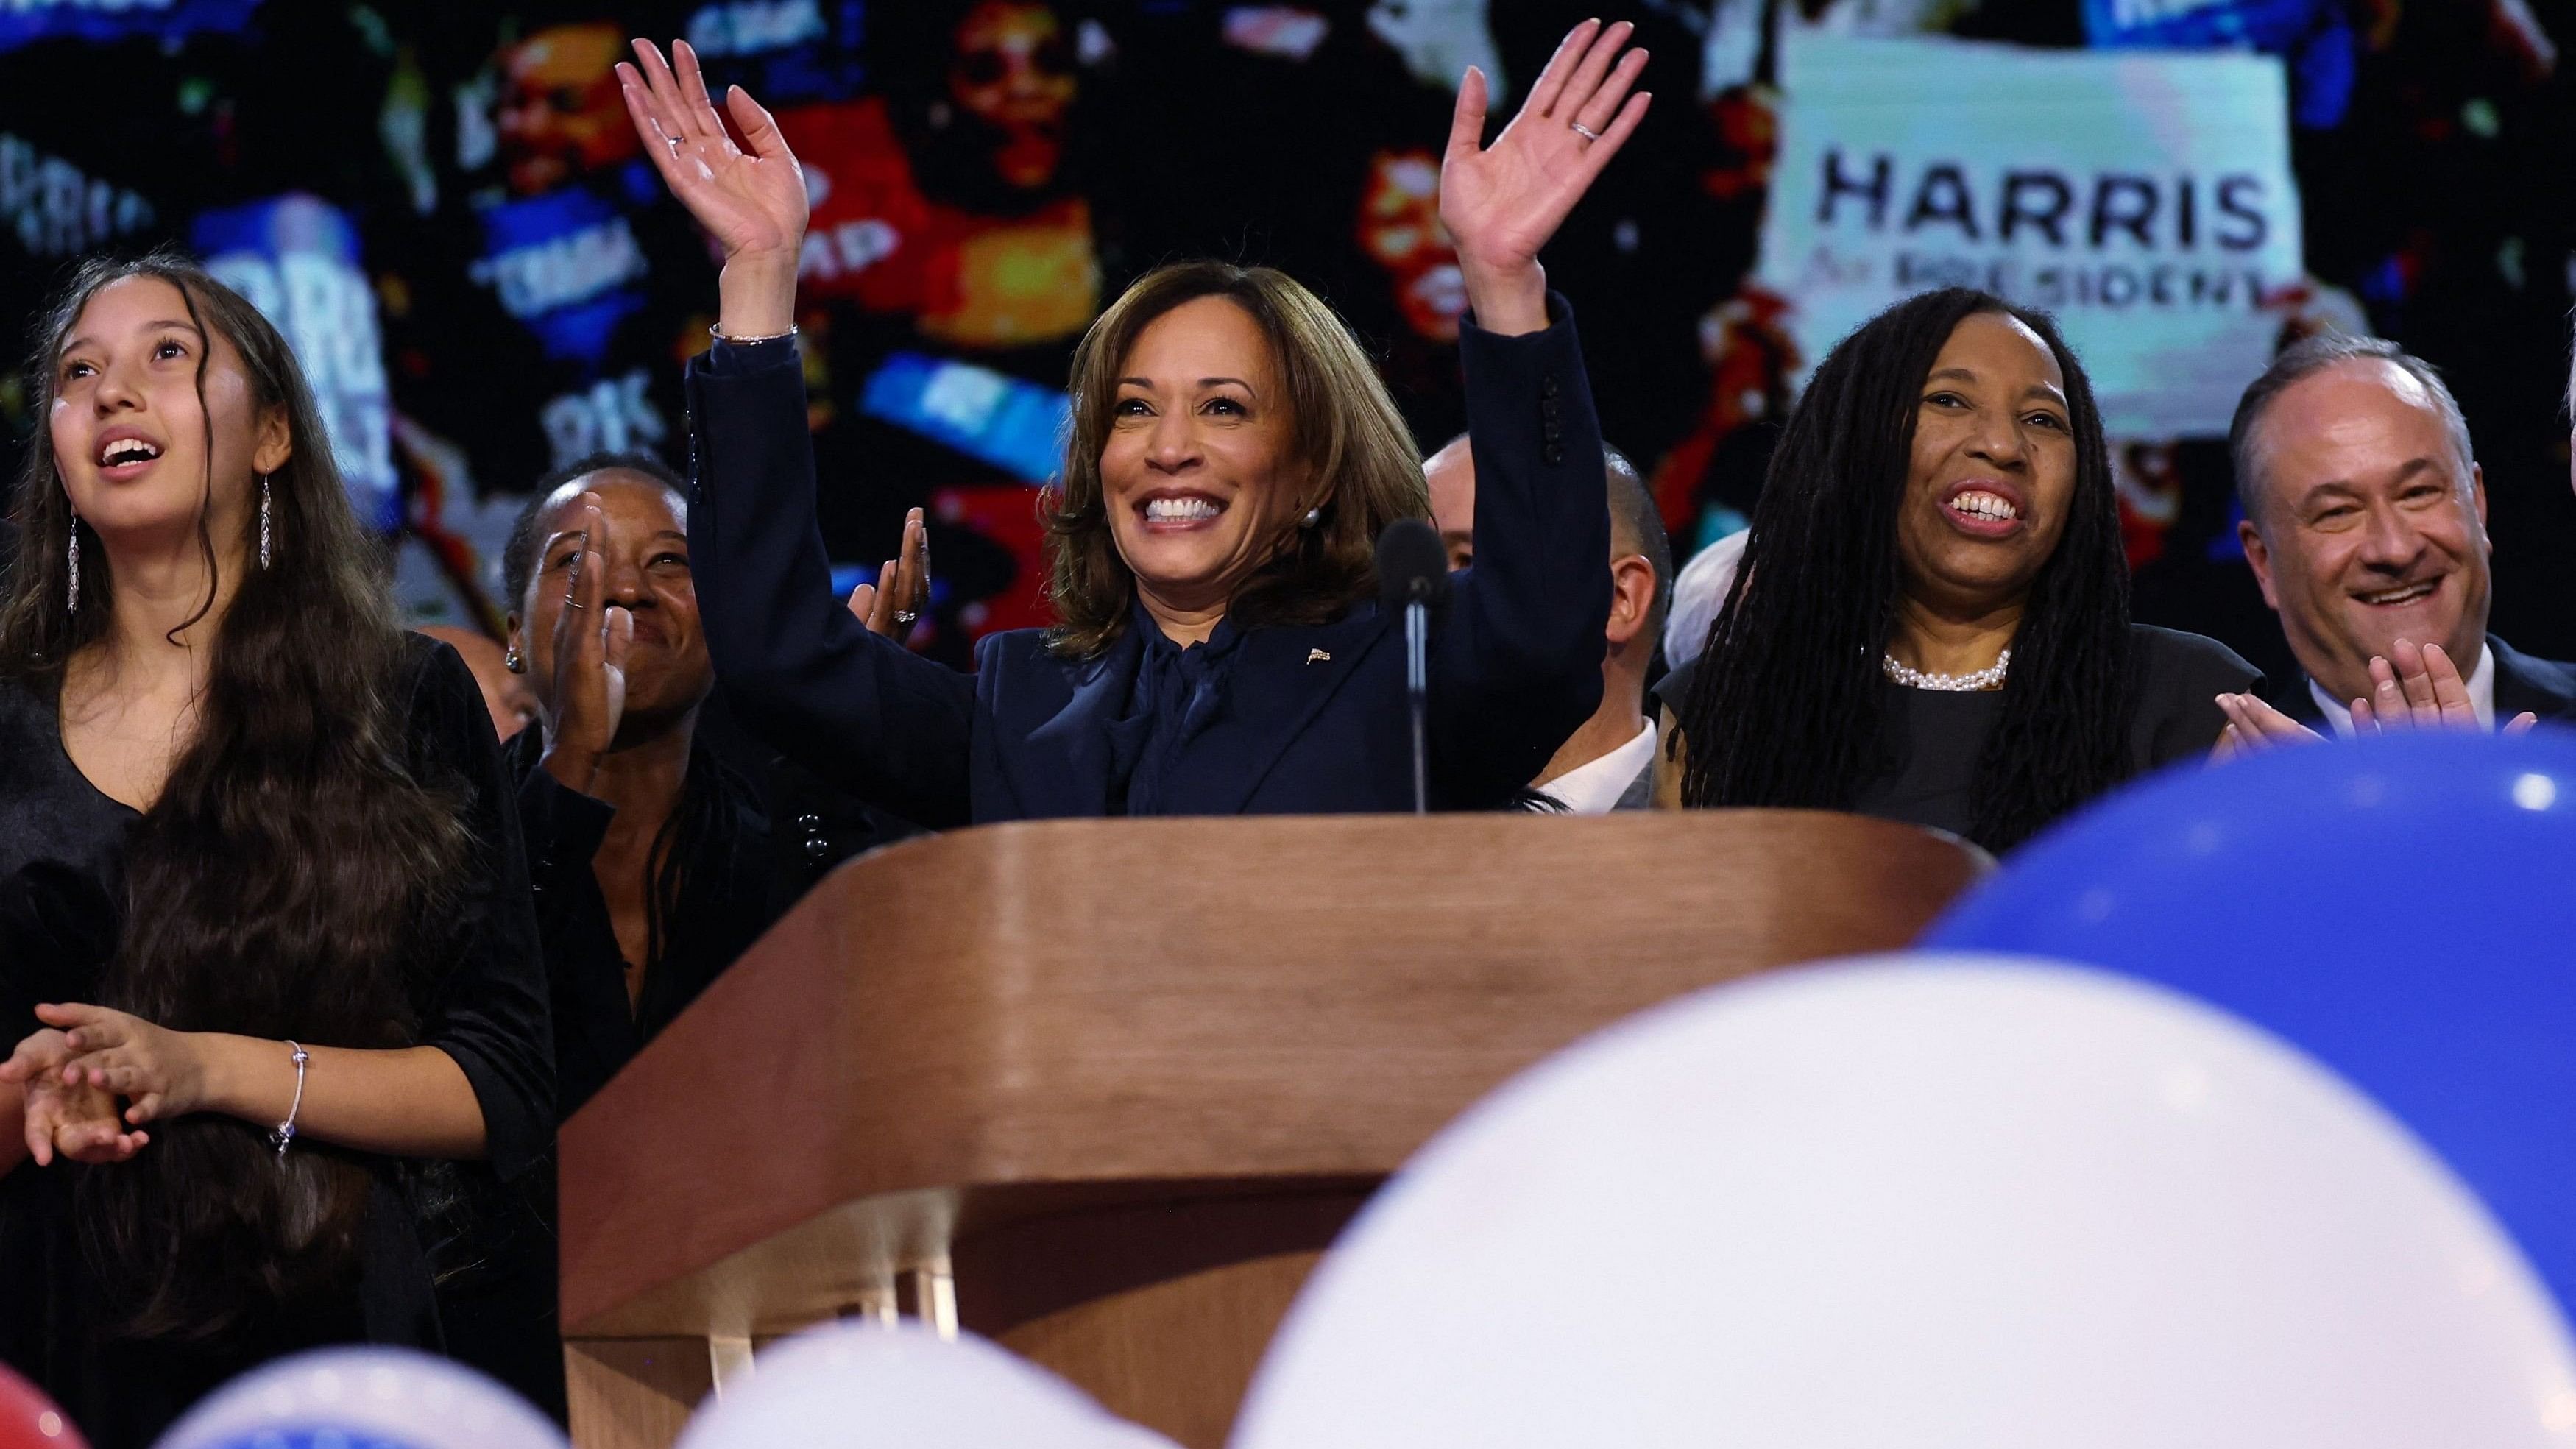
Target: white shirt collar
(2481,696)
(1594,787)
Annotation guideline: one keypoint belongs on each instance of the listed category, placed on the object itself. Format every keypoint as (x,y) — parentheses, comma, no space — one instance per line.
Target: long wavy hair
(1785,710)
(286,881)
(1344,427)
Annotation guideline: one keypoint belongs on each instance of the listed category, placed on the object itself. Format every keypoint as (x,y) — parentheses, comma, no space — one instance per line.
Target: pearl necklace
(1990,677)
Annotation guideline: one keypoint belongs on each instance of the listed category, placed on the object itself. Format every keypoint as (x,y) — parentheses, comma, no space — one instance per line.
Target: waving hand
(1502,202)
(749,197)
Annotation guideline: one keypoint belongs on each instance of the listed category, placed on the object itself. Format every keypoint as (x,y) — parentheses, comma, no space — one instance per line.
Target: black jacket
(1313,720)
(730,892)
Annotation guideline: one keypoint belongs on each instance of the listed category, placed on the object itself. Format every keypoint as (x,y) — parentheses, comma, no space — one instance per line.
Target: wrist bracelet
(730,340)
(285,1132)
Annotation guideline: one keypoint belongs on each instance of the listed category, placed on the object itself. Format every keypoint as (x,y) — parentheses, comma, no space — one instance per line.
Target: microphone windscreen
(1412,566)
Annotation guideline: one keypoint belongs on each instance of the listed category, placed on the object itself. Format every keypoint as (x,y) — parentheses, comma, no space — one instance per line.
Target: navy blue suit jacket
(1314,719)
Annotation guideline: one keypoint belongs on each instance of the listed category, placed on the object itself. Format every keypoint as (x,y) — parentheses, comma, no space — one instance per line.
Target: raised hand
(1502,202)
(895,602)
(749,197)
(78,1122)
(587,699)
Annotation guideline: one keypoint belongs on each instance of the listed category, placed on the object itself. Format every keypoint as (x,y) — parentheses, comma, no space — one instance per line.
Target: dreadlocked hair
(292,875)
(1785,710)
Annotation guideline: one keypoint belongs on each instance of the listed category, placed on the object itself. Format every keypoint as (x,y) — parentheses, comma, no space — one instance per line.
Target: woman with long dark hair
(1931,620)
(266,955)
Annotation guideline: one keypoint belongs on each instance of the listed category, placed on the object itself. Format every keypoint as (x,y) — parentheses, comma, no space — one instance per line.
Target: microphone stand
(1417,690)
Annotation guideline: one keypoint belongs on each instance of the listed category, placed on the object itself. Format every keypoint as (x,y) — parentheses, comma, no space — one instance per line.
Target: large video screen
(444,207)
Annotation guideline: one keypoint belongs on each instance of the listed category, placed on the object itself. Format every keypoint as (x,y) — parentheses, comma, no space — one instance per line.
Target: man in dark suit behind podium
(2365,522)
(1609,763)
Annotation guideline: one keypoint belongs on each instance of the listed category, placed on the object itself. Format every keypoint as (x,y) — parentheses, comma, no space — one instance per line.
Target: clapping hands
(586,698)
(77,1119)
(894,603)
(2422,690)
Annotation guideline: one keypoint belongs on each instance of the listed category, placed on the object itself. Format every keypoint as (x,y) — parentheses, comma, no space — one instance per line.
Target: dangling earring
(75,568)
(513,663)
(263,520)
(1312,516)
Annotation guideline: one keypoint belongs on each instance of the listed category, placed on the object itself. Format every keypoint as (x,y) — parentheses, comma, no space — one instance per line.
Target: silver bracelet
(730,340)
(285,1132)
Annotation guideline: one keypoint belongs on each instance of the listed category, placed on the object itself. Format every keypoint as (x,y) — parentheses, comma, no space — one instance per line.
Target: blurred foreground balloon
(2404,910)
(1909,1202)
(861,1384)
(363,1398)
(29,1420)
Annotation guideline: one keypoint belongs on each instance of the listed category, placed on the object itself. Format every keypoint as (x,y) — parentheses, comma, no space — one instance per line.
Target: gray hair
(2305,359)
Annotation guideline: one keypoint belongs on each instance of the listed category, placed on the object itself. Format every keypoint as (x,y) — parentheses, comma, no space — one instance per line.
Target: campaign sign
(23,21)
(783,51)
(2195,24)
(567,264)
(2145,198)
(1014,425)
(295,258)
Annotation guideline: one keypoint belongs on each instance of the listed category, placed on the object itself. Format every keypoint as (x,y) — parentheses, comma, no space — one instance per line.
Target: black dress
(732,887)
(62,904)
(1935,737)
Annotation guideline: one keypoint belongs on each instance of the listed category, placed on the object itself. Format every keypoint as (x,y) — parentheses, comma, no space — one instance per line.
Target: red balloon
(29,1420)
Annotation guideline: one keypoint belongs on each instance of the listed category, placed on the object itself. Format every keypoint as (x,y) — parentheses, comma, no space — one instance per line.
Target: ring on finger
(1586,132)
(905,616)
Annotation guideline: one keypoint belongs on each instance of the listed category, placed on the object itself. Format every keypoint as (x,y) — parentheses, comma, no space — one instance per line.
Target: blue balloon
(2403,909)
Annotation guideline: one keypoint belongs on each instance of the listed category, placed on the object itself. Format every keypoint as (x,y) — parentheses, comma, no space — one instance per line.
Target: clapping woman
(1931,619)
(652,860)
(1232,460)
(266,955)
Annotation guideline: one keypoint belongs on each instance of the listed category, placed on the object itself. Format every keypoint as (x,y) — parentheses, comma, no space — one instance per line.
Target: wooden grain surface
(979,1029)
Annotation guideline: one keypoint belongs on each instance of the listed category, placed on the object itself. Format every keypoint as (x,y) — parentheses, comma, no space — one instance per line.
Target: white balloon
(382,1398)
(1877,1206)
(859,1383)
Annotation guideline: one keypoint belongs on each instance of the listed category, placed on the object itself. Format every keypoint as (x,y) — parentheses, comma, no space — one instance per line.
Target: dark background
(990,172)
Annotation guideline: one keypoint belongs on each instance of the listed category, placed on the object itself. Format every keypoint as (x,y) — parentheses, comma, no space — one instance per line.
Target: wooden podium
(1103,1090)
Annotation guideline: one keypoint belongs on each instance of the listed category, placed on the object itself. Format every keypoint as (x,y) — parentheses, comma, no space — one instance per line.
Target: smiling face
(1199,473)
(130,434)
(1013,68)
(560,112)
(646,553)
(1400,229)
(2370,526)
(1993,471)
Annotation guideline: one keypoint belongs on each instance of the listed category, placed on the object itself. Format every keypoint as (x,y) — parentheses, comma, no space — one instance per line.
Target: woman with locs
(1233,458)
(1931,619)
(266,955)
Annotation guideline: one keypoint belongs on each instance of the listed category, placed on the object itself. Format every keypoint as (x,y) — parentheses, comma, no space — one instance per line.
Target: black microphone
(1413,575)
